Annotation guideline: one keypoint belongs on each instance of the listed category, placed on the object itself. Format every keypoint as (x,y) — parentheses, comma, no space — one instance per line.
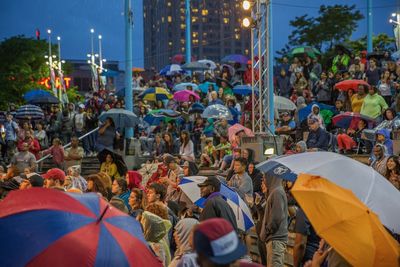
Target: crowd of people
(179,232)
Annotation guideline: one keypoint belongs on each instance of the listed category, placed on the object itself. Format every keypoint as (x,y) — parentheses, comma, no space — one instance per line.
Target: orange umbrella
(137,69)
(349,226)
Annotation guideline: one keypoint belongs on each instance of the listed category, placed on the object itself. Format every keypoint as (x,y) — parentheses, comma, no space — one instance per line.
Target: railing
(67,145)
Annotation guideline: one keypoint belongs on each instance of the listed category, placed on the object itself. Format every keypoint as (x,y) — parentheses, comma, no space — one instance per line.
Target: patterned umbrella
(210,64)
(53,228)
(185,86)
(283,103)
(217,111)
(155,94)
(29,112)
(171,70)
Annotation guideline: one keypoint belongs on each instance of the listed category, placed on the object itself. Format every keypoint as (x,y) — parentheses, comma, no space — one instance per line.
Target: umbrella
(234,129)
(396,55)
(155,94)
(350,119)
(27,112)
(369,186)
(117,159)
(171,70)
(236,58)
(239,207)
(185,86)
(109,73)
(154,117)
(244,90)
(283,103)
(304,112)
(350,84)
(193,66)
(32,94)
(184,96)
(351,228)
(230,68)
(220,80)
(204,87)
(137,69)
(178,59)
(304,50)
(196,108)
(376,55)
(209,63)
(50,99)
(53,228)
(147,170)
(217,111)
(122,118)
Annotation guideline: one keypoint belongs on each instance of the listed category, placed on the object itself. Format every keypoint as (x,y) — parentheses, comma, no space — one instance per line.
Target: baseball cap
(217,240)
(55,173)
(211,181)
(35,179)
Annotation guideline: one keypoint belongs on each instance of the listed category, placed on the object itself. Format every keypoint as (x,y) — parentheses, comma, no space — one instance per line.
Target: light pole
(128,62)
(51,70)
(92,62)
(62,89)
(369,26)
(188,32)
(396,29)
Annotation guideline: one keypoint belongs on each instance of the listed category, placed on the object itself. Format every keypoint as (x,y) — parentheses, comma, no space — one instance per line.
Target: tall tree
(380,42)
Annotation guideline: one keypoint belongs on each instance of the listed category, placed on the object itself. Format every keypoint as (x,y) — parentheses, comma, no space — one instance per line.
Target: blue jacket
(318,139)
(388,142)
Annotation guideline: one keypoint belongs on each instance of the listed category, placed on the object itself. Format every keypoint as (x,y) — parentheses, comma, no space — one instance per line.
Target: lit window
(183,26)
(195,34)
(237,36)
(183,49)
(204,42)
(246,51)
(182,41)
(162,19)
(226,20)
(144,14)
(194,19)
(195,41)
(195,10)
(169,18)
(169,4)
(204,12)
(170,43)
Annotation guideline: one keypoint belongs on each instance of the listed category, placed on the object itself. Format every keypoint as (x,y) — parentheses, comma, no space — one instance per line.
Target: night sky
(72,20)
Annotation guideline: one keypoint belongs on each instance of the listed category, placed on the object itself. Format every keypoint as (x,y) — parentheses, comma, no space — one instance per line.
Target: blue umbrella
(122,118)
(50,99)
(236,58)
(171,70)
(242,212)
(196,108)
(85,228)
(244,90)
(304,112)
(27,112)
(185,86)
(217,111)
(35,93)
(204,87)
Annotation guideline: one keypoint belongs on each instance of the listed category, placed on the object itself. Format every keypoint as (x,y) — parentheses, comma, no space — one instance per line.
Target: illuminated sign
(47,84)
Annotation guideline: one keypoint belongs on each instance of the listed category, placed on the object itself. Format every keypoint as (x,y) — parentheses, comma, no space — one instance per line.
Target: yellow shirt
(110,169)
(356,103)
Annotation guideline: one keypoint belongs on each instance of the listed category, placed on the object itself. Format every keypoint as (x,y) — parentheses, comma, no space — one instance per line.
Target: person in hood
(274,228)
(315,113)
(134,180)
(383,137)
(301,147)
(183,235)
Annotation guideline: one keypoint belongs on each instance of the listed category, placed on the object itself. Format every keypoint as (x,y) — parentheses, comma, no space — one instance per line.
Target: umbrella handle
(102,214)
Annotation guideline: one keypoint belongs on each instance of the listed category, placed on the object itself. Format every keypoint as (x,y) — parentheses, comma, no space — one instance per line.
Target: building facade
(216,30)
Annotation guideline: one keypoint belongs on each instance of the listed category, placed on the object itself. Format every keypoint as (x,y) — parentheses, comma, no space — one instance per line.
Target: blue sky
(72,19)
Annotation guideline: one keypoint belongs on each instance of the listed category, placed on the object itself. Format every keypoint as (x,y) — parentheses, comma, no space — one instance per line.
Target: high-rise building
(216,30)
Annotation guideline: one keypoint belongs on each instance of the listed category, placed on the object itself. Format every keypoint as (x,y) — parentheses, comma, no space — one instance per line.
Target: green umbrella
(301,50)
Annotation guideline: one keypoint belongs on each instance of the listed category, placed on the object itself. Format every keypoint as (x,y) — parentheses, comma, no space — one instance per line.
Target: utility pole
(188,48)
(369,26)
(128,62)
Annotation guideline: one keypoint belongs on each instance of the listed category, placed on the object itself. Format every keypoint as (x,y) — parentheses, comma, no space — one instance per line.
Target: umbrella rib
(337,223)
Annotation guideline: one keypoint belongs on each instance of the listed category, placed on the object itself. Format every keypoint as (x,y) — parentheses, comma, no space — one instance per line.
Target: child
(224,148)
(57,151)
(208,152)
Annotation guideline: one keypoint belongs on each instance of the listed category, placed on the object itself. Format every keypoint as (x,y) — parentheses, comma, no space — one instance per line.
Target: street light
(246,5)
(246,22)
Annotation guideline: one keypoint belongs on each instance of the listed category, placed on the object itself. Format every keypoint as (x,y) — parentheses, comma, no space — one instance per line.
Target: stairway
(90,165)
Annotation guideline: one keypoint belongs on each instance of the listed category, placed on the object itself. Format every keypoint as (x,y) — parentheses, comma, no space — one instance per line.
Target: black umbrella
(117,159)
(220,80)
(50,99)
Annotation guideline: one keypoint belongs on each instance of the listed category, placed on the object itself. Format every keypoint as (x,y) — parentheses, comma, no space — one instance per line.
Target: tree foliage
(380,42)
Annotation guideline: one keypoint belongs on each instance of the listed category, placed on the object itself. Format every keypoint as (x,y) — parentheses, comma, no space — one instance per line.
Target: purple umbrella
(184,96)
(235,59)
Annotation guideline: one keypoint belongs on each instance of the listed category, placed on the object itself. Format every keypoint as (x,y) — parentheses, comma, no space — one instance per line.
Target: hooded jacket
(274,225)
(183,230)
(388,143)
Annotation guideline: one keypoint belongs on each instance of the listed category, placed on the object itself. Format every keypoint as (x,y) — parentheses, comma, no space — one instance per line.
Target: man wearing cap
(33,180)
(217,244)
(215,206)
(54,179)
(287,125)
(318,138)
(24,159)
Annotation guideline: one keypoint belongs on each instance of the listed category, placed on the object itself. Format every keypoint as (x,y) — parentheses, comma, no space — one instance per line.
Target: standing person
(374,104)
(215,205)
(274,229)
(11,128)
(41,136)
(57,151)
(107,134)
(73,155)
(24,159)
(386,87)
(323,89)
(358,99)
(241,181)
(283,86)
(79,125)
(91,124)
(373,73)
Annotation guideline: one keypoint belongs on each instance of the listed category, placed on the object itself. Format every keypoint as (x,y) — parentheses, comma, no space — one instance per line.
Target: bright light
(269,151)
(246,5)
(92,30)
(62,61)
(54,56)
(100,37)
(49,31)
(46,56)
(104,60)
(390,21)
(89,55)
(394,14)
(246,22)
(96,55)
(58,38)
(88,61)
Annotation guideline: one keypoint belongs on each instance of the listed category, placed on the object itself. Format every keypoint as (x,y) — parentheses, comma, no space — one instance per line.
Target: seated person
(224,148)
(206,158)
(287,125)
(382,137)
(109,167)
(347,141)
(378,163)
(318,138)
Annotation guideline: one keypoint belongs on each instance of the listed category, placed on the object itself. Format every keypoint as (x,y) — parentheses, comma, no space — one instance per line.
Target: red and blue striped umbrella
(46,227)
(350,119)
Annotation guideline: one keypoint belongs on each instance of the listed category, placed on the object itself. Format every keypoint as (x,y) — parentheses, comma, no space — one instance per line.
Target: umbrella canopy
(178,59)
(369,186)
(196,108)
(171,70)
(50,99)
(184,96)
(236,58)
(217,111)
(396,55)
(351,228)
(147,170)
(304,50)
(35,93)
(109,73)
(154,117)
(350,119)
(220,80)
(209,63)
(117,159)
(193,66)
(122,118)
(137,69)
(185,86)
(283,103)
(204,87)
(28,112)
(53,228)
(239,207)
(244,89)
(229,67)
(350,84)
(155,94)
(303,113)
(234,129)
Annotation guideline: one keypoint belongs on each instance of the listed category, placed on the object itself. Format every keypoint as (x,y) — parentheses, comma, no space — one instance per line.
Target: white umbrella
(369,186)
(283,103)
(240,209)
(211,64)
(217,111)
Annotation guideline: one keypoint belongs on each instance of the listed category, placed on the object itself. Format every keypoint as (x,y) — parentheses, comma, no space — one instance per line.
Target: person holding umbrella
(107,134)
